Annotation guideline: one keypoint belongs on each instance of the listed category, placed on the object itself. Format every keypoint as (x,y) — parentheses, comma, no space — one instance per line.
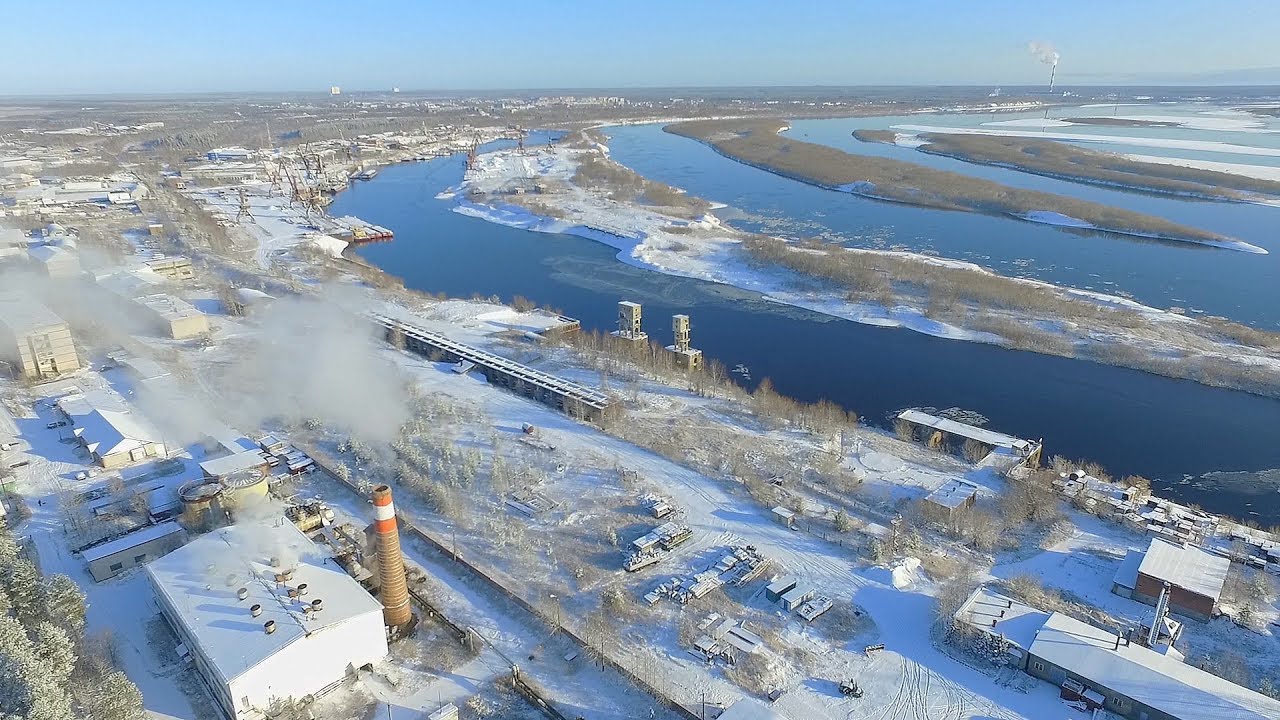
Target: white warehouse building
(265,617)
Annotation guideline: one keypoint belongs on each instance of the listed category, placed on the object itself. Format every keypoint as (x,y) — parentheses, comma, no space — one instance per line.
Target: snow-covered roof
(132,540)
(1145,676)
(131,284)
(1186,566)
(50,253)
(168,306)
(106,425)
(196,583)
(953,493)
(229,464)
(22,314)
(1002,615)
(1127,573)
(990,437)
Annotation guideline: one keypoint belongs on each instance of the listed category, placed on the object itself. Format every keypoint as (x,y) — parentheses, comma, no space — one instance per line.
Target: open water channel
(1177,432)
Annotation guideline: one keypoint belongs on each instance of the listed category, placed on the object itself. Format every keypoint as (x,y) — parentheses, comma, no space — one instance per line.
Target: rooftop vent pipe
(242,593)
(255,610)
(302,588)
(269,626)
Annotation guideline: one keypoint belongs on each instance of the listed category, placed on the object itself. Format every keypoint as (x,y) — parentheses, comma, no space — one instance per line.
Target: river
(1172,431)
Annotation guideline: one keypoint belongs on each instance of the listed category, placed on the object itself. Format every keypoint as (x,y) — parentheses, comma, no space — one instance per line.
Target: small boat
(369,174)
(741,369)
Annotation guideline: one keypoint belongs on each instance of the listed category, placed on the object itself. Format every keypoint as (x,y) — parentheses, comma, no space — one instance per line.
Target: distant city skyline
(150,46)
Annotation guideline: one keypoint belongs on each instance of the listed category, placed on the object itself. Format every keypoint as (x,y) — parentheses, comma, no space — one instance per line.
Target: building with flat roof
(133,550)
(944,504)
(36,343)
(265,616)
(172,268)
(1195,577)
(1135,681)
(168,315)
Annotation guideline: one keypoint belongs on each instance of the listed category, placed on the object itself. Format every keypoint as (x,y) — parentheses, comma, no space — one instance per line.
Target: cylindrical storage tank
(242,488)
(393,591)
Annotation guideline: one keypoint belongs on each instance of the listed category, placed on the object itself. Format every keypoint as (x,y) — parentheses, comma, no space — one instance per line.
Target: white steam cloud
(1044,52)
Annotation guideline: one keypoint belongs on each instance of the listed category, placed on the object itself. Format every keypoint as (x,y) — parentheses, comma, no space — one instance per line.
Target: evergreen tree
(54,650)
(116,698)
(63,604)
(27,689)
(22,582)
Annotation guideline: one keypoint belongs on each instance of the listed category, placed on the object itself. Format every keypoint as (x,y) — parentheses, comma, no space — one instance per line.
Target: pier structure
(571,398)
(1006,451)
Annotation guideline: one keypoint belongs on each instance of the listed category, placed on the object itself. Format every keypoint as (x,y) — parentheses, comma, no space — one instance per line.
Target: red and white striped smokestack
(393,591)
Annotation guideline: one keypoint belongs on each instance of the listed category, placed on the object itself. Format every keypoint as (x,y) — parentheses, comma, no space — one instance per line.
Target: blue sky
(65,46)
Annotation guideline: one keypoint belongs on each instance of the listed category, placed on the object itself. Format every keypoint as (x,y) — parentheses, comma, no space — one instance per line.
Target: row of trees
(49,668)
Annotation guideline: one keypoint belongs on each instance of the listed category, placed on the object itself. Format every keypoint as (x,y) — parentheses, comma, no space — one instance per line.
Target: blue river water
(1172,431)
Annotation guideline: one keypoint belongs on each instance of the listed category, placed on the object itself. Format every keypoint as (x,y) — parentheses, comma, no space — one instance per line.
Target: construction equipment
(849,688)
(244,205)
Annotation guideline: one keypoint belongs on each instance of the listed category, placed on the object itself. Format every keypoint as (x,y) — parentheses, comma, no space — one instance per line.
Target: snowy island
(1056,159)
(760,143)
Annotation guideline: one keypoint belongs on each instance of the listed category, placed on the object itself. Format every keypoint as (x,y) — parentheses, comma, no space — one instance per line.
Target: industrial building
(172,268)
(1006,451)
(270,619)
(944,505)
(109,430)
(1104,670)
(133,550)
(55,261)
(1195,577)
(168,315)
(34,342)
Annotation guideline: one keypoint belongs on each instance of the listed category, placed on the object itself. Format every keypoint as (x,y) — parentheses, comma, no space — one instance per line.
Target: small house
(944,505)
(129,551)
(784,517)
(779,587)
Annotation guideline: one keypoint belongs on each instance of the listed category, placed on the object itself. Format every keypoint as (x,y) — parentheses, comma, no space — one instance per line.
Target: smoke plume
(1044,52)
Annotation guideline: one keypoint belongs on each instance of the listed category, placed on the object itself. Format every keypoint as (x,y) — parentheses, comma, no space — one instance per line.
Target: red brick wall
(1179,598)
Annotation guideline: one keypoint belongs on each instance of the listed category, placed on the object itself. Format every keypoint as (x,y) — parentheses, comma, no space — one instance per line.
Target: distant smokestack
(1053,73)
(393,591)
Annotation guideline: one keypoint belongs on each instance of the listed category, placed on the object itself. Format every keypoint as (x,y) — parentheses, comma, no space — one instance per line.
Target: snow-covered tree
(27,689)
(55,651)
(8,547)
(116,698)
(63,603)
(22,582)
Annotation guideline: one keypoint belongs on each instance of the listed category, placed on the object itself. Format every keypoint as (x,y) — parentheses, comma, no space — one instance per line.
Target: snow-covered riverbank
(537,192)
